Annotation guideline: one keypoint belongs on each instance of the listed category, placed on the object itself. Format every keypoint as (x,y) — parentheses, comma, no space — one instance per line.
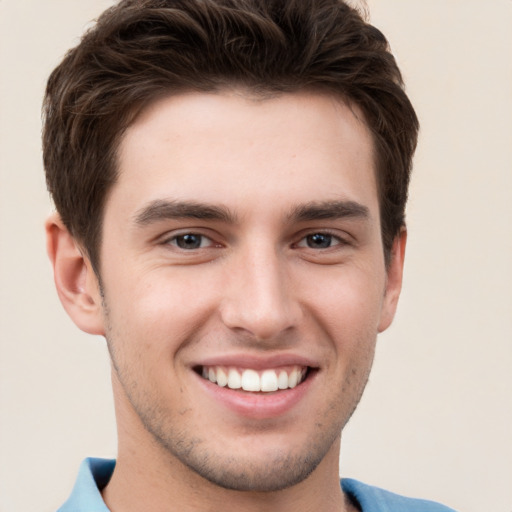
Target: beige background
(436,420)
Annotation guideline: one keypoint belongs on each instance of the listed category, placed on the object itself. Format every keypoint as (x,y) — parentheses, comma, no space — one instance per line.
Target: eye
(190,241)
(319,241)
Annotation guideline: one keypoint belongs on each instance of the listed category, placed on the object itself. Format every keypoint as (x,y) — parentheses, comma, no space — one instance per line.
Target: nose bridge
(259,298)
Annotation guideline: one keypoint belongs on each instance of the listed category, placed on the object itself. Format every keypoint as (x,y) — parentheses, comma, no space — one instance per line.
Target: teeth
(234,379)
(282,380)
(266,381)
(222,378)
(269,381)
(251,381)
(292,379)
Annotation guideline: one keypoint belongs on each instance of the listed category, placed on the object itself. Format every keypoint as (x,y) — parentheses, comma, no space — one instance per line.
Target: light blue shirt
(94,475)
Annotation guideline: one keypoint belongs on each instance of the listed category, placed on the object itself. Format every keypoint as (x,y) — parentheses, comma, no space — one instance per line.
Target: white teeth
(269,381)
(292,379)
(234,379)
(282,381)
(266,381)
(222,378)
(250,381)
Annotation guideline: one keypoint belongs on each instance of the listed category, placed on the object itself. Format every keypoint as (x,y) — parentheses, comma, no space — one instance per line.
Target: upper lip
(257,362)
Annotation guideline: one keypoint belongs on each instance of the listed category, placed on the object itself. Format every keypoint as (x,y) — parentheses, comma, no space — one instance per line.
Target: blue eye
(319,241)
(190,241)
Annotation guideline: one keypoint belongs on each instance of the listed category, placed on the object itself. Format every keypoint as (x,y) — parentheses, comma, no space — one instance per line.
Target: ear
(393,280)
(75,280)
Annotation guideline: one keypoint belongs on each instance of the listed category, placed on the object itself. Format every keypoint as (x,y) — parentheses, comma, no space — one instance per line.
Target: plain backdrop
(436,419)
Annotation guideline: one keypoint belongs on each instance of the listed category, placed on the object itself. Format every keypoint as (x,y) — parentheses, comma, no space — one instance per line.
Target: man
(230,178)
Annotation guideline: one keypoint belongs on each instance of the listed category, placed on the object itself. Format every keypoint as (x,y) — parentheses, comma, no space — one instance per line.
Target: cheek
(143,340)
(158,311)
(348,301)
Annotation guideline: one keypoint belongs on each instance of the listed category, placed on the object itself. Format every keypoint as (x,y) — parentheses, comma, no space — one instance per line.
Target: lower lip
(258,405)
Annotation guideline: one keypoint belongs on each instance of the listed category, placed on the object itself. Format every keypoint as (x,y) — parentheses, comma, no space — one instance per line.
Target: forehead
(290,148)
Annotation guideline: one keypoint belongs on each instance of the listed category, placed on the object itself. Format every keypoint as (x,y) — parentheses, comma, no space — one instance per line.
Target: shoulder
(374,499)
(93,475)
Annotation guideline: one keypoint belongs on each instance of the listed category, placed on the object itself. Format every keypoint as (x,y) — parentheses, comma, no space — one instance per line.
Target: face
(243,283)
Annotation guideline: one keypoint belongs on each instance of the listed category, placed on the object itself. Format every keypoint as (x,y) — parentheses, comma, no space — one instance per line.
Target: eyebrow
(326,210)
(162,209)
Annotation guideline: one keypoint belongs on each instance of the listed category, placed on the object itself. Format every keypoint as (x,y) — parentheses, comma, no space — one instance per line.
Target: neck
(133,489)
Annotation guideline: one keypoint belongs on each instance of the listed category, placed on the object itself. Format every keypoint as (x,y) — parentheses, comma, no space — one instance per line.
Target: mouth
(255,381)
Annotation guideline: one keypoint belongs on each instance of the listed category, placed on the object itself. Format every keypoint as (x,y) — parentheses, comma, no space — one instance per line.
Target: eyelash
(174,240)
(332,240)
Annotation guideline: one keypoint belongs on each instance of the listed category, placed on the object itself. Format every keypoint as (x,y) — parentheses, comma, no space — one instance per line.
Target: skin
(258,289)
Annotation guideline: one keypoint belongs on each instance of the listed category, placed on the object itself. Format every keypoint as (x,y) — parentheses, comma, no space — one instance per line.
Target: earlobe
(77,284)
(393,281)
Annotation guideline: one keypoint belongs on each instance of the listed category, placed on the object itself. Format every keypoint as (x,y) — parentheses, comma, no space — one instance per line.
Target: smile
(265,381)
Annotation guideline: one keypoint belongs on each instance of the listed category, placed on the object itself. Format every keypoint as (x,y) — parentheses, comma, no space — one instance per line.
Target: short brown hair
(142,49)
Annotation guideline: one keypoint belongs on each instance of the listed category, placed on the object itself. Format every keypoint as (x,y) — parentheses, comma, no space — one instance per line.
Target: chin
(262,465)
(273,474)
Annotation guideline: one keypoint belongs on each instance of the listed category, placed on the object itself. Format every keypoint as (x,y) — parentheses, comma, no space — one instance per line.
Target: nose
(259,298)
